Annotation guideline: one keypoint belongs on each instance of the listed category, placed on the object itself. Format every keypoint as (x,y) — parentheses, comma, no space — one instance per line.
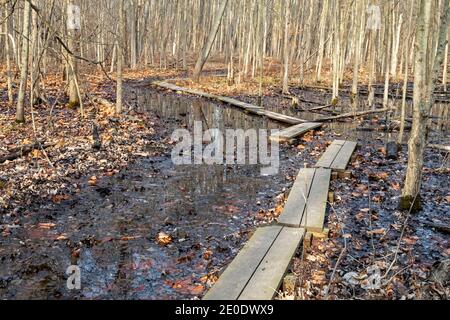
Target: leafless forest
(86,116)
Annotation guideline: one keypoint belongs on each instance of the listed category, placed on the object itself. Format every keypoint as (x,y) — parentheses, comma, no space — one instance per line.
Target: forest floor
(52,200)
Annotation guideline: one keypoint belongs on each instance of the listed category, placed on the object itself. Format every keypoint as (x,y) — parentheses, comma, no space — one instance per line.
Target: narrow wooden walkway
(307,201)
(243,105)
(258,270)
(337,155)
(290,133)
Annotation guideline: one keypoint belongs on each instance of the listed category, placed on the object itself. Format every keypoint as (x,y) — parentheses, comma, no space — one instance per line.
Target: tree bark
(422,101)
(8,55)
(20,117)
(72,64)
(209,42)
(120,45)
(286,49)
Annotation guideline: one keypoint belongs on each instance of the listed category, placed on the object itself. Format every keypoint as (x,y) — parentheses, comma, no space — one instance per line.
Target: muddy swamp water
(208,211)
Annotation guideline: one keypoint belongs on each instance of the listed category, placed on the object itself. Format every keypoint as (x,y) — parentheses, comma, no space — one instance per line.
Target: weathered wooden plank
(344,155)
(316,205)
(294,131)
(236,276)
(330,154)
(295,206)
(238,103)
(281,117)
(246,106)
(266,280)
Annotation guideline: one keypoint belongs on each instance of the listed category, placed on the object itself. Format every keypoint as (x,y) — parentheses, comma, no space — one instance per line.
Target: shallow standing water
(109,231)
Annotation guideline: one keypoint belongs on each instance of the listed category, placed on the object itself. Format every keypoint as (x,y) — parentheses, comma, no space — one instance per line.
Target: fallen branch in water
(439,147)
(438,226)
(353,114)
(320,108)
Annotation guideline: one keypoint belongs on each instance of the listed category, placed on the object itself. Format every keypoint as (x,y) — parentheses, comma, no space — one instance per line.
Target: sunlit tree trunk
(323,19)
(425,76)
(35,76)
(210,41)
(8,54)
(20,117)
(286,49)
(72,63)
(357,39)
(120,45)
(336,51)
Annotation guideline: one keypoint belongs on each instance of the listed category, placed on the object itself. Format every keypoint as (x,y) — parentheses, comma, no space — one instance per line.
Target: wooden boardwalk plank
(266,280)
(243,105)
(344,155)
(330,154)
(316,205)
(280,117)
(236,276)
(294,131)
(295,206)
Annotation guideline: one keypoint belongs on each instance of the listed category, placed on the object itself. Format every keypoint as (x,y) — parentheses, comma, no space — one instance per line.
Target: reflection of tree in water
(123,284)
(187,111)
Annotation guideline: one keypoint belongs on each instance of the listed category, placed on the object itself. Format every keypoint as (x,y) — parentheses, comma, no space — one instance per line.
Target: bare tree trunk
(357,43)
(261,24)
(336,52)
(423,100)
(72,63)
(20,117)
(286,49)
(209,42)
(133,36)
(120,45)
(405,90)
(387,51)
(8,55)
(371,96)
(35,76)
(323,19)
(444,72)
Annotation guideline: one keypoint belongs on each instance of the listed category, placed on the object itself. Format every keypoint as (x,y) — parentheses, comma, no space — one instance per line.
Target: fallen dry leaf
(279,209)
(36,153)
(92,181)
(207,254)
(395,186)
(318,277)
(61,237)
(410,240)
(46,225)
(376,231)
(163,238)
(58,198)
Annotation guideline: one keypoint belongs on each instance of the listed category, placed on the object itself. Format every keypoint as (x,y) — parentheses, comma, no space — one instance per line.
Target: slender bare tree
(203,56)
(120,45)
(20,116)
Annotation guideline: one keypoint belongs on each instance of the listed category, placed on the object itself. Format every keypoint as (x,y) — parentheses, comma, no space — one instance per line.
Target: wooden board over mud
(243,105)
(294,131)
(337,155)
(259,268)
(306,204)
